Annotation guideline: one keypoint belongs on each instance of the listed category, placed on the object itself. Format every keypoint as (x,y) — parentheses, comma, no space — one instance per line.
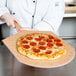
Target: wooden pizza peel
(10,42)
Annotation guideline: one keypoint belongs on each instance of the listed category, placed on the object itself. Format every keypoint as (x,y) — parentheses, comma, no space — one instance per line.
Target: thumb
(13,25)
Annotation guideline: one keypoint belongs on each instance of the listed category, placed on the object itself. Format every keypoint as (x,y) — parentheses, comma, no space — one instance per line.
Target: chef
(43,15)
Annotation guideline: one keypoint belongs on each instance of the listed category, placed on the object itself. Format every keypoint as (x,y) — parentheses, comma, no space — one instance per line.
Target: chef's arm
(53,18)
(5,16)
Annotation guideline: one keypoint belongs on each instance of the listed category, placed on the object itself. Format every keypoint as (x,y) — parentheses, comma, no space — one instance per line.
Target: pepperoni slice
(37,39)
(24,41)
(42,48)
(49,40)
(51,37)
(50,45)
(59,44)
(36,50)
(57,40)
(26,46)
(42,43)
(41,37)
(48,52)
(29,38)
(33,44)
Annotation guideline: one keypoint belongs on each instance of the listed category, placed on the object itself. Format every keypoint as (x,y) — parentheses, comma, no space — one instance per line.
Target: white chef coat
(44,15)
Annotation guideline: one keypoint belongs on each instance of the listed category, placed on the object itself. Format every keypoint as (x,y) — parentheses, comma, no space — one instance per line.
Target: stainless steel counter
(9,66)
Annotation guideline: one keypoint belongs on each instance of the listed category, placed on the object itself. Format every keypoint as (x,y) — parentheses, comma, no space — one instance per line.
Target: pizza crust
(37,56)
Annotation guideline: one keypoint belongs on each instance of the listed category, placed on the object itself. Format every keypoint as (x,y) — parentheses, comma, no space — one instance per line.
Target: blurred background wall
(67,28)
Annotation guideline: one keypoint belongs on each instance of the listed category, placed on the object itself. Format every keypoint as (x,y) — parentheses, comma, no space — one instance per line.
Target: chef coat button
(57,4)
(13,13)
(33,1)
(33,16)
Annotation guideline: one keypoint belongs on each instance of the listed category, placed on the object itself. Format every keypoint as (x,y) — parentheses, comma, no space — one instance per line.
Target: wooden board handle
(18,26)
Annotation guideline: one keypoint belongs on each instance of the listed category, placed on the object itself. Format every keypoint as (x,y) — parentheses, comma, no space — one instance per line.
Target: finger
(13,25)
(9,24)
(15,21)
(18,30)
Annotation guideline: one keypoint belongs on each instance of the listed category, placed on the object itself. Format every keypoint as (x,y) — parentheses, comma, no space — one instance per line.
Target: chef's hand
(26,29)
(9,19)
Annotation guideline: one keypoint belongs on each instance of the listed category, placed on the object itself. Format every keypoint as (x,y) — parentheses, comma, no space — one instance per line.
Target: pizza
(41,46)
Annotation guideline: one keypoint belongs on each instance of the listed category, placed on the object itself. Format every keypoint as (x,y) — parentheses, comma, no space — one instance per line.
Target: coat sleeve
(3,9)
(53,17)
